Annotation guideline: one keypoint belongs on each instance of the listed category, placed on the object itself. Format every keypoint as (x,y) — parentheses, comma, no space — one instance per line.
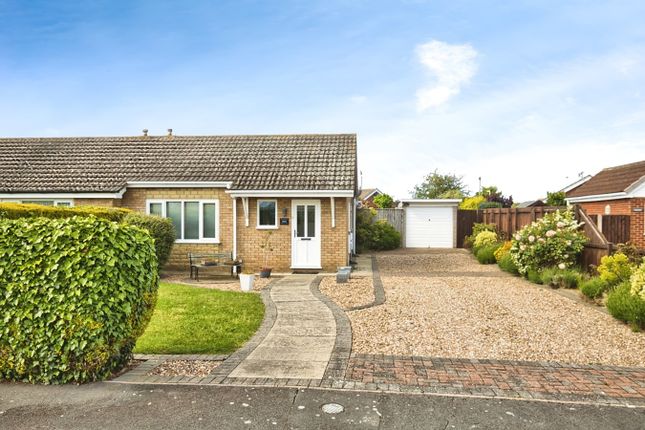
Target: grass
(190,320)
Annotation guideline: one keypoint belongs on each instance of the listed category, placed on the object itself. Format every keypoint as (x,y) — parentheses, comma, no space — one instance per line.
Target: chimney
(145,132)
(170,132)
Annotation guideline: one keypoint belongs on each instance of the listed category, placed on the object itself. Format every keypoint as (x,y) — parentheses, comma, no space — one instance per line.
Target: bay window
(195,221)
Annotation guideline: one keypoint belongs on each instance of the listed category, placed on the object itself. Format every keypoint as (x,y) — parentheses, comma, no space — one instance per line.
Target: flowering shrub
(615,269)
(554,240)
(637,281)
(485,238)
(503,250)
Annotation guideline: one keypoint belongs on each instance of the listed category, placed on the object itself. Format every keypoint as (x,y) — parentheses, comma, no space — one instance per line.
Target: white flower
(566,255)
(560,224)
(568,243)
(550,233)
(518,237)
(531,238)
(522,247)
(562,266)
(541,240)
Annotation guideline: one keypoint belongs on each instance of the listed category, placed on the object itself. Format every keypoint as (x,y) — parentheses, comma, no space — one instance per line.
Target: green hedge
(75,294)
(19,210)
(161,229)
(378,236)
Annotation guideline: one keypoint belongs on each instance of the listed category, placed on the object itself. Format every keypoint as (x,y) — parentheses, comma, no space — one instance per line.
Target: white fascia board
(291,193)
(62,195)
(598,197)
(179,184)
(637,189)
(576,184)
(432,202)
(374,191)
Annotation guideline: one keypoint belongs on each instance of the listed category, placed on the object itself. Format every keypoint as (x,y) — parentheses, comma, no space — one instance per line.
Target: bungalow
(223,193)
(366,197)
(616,190)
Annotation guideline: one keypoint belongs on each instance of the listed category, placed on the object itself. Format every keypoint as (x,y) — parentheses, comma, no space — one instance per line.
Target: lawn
(190,320)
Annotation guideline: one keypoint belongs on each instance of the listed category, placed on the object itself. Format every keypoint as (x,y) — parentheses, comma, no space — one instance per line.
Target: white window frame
(56,202)
(201,202)
(257,215)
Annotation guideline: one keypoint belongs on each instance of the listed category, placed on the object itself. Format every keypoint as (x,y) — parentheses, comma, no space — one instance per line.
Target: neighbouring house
(616,190)
(223,193)
(366,197)
(531,204)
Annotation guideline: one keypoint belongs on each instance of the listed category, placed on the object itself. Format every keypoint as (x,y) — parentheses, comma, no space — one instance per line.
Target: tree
(556,198)
(472,203)
(384,201)
(438,186)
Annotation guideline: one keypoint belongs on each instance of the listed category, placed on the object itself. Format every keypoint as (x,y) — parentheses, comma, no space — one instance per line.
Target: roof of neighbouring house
(611,180)
(531,203)
(106,164)
(367,192)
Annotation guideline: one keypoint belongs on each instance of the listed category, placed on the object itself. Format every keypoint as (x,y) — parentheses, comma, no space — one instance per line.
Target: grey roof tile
(105,164)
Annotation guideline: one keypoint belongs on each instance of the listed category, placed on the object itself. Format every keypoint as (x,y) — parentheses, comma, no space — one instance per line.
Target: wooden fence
(465,221)
(394,216)
(509,220)
(614,227)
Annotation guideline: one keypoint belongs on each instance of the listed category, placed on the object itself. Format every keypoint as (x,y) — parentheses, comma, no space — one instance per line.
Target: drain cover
(332,408)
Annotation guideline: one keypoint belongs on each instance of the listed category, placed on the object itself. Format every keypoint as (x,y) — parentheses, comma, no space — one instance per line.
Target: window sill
(266,227)
(207,241)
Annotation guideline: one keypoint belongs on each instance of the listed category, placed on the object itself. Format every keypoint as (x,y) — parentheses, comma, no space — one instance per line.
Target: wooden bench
(207,261)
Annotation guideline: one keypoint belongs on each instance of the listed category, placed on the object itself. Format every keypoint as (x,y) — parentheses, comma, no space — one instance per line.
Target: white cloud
(452,66)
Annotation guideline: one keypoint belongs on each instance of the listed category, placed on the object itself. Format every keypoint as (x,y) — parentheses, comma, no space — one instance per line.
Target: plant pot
(246,282)
(265,273)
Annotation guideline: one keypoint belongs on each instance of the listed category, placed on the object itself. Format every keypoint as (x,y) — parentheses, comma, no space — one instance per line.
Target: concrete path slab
(301,341)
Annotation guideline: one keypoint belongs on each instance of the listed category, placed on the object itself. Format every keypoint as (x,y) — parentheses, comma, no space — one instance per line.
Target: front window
(267,214)
(194,220)
(57,203)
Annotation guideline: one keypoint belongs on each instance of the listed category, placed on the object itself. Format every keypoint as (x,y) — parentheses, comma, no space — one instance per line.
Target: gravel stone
(185,368)
(223,283)
(355,292)
(428,313)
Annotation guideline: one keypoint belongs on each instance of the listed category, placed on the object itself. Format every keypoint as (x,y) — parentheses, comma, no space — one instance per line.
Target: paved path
(301,341)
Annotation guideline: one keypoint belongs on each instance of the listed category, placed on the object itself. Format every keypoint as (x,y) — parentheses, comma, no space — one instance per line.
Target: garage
(430,223)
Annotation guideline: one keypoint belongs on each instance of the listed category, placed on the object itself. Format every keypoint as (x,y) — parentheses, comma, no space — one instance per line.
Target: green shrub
(633,253)
(489,205)
(615,269)
(486,254)
(627,307)
(379,235)
(503,250)
(637,281)
(594,288)
(161,230)
(485,238)
(554,240)
(75,294)
(507,265)
(533,275)
(384,201)
(19,210)
(478,228)
(561,278)
(472,203)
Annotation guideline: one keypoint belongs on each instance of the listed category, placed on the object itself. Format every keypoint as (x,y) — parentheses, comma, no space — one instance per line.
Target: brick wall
(334,241)
(135,199)
(107,203)
(623,207)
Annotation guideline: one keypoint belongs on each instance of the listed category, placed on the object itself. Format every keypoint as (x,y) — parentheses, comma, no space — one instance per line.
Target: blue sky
(524,94)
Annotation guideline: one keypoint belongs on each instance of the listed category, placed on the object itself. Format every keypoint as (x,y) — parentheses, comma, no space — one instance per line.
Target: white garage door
(429,227)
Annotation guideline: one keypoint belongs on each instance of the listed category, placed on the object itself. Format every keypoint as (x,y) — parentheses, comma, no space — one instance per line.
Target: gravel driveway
(445,304)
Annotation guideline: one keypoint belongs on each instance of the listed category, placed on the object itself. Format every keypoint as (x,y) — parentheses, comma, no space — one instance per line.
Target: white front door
(305,234)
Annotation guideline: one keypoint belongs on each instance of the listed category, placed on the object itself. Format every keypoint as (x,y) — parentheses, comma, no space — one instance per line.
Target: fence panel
(616,228)
(465,221)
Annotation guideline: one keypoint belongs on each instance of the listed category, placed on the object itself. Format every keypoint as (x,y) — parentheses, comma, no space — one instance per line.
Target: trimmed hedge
(161,229)
(19,210)
(75,294)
